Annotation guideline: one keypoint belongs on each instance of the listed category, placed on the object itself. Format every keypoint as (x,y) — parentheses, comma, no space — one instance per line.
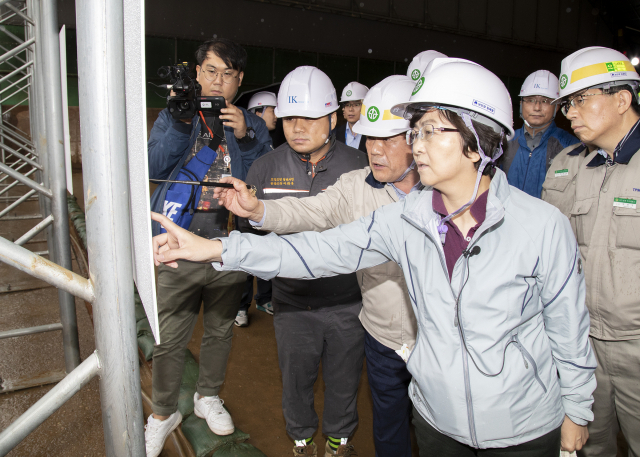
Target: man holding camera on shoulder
(205,147)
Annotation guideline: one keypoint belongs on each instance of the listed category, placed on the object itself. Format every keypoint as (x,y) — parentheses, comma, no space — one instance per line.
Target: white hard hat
(262,99)
(376,118)
(461,86)
(541,82)
(306,92)
(353,91)
(595,66)
(420,62)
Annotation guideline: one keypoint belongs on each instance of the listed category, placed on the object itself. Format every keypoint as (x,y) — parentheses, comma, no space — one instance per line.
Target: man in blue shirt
(351,101)
(539,140)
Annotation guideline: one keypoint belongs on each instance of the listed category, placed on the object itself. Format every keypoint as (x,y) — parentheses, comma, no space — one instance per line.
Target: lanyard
(205,123)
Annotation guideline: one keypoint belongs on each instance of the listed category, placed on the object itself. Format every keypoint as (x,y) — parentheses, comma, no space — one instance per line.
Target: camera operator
(218,147)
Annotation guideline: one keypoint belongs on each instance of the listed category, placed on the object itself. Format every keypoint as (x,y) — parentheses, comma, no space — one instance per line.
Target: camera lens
(163,72)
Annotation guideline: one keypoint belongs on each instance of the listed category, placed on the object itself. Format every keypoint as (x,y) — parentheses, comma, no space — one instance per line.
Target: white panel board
(65,107)
(136,109)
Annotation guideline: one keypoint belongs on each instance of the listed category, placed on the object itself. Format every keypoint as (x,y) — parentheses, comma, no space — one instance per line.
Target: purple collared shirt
(455,243)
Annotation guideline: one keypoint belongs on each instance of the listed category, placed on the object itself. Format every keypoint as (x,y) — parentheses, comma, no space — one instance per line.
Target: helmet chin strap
(307,156)
(442,227)
(537,128)
(406,172)
(555,111)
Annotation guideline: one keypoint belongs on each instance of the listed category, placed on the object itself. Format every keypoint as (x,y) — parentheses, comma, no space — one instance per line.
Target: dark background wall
(366,40)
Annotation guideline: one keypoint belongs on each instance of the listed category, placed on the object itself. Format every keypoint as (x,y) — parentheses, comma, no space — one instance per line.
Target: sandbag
(146,343)
(77,217)
(140,312)
(188,384)
(238,450)
(206,443)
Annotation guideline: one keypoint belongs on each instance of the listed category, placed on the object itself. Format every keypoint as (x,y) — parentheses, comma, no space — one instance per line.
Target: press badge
(560,173)
(625,203)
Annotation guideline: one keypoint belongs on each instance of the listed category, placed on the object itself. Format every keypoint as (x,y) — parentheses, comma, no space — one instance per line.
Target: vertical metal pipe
(36,105)
(58,174)
(106,193)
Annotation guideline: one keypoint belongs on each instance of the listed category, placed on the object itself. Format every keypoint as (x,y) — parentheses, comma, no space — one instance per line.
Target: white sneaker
(217,417)
(242,319)
(156,432)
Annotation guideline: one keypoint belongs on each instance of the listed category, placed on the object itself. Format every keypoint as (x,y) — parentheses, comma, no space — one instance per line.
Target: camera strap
(215,139)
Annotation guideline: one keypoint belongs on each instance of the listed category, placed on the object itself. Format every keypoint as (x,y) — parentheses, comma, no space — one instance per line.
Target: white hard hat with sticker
(353,91)
(540,82)
(308,92)
(463,87)
(375,117)
(420,62)
(262,99)
(595,66)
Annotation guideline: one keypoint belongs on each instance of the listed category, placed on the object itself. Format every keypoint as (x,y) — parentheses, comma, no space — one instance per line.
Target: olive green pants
(181,292)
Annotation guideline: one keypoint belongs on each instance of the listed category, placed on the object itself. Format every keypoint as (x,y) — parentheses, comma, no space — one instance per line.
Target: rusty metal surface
(25,260)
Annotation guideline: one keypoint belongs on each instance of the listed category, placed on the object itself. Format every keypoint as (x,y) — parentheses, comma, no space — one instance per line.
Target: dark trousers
(432,443)
(263,296)
(389,381)
(333,335)
(181,293)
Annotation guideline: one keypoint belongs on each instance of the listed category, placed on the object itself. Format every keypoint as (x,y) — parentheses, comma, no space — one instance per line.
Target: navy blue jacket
(527,169)
(171,141)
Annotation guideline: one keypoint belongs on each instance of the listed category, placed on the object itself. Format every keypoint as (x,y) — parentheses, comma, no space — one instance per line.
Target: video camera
(187,99)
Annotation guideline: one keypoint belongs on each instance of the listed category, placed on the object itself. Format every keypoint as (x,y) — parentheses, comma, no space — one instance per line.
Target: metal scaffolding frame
(22,160)
(37,165)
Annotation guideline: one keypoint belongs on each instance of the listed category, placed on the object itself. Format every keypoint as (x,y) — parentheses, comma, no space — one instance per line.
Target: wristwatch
(248,137)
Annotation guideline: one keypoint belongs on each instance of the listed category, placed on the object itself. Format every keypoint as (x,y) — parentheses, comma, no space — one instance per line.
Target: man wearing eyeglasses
(351,101)
(539,140)
(204,148)
(599,95)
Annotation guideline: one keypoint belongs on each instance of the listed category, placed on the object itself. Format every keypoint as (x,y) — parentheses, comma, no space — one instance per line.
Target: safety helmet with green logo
(375,115)
(353,91)
(473,93)
(420,62)
(461,86)
(595,67)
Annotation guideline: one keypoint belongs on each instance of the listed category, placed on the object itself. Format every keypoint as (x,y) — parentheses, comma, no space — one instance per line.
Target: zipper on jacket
(465,360)
(526,172)
(467,388)
(526,356)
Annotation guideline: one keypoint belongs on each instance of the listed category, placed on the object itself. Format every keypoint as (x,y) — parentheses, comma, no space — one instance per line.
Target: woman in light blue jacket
(502,363)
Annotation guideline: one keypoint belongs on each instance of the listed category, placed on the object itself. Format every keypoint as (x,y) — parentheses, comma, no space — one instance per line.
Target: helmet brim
(303,113)
(408,109)
(380,132)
